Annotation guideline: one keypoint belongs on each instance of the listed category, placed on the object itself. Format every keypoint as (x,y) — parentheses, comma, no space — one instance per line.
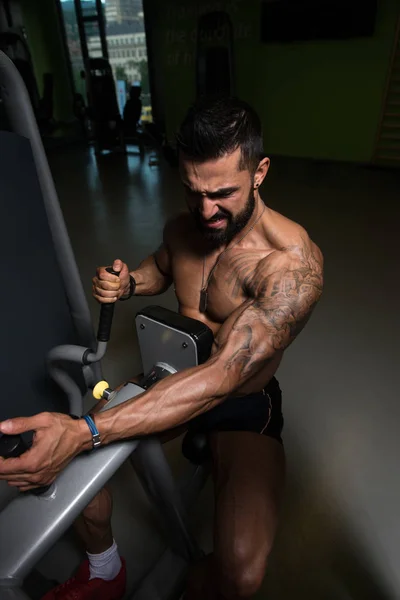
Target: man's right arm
(153,276)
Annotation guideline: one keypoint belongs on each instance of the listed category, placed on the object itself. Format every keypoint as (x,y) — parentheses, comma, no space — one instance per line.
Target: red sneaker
(80,587)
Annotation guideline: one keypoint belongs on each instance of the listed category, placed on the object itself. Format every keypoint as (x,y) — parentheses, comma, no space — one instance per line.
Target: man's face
(219,195)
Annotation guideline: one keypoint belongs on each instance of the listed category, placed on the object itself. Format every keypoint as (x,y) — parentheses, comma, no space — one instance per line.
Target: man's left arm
(284,292)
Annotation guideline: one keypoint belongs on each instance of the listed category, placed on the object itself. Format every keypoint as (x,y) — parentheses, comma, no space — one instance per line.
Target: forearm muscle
(149,280)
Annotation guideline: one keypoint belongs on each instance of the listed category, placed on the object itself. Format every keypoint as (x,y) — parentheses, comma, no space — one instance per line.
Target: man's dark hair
(214,127)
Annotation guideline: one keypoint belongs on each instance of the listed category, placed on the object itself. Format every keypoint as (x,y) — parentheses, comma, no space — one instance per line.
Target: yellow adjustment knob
(99,389)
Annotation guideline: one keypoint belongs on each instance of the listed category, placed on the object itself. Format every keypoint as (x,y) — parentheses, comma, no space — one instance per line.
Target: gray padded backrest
(33,308)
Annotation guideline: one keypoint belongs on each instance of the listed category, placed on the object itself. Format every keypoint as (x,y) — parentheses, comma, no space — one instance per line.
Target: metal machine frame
(31,523)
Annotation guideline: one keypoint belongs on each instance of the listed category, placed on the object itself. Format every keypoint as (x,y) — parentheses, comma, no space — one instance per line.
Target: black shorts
(260,412)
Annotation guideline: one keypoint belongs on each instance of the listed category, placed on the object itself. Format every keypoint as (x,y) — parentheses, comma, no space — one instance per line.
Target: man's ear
(261,172)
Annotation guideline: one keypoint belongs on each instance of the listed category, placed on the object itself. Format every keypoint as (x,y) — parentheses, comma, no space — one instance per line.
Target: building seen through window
(126,41)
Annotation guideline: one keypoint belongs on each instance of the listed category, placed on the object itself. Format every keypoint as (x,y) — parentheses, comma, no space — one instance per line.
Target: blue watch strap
(93,430)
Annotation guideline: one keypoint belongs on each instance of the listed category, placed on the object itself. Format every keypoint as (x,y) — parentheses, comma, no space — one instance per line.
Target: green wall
(316,99)
(45,41)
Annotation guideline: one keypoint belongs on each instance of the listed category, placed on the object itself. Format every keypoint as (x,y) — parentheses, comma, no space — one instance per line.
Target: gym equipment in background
(103,111)
(31,523)
(214,60)
(14,45)
(105,122)
(132,112)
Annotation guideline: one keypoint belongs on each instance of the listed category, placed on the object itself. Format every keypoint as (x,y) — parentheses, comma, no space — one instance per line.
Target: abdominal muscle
(256,383)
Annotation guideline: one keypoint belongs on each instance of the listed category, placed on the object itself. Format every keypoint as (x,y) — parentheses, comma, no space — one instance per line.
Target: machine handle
(12,446)
(106,316)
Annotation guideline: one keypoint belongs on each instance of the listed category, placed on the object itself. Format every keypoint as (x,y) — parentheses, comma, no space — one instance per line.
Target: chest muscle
(227,288)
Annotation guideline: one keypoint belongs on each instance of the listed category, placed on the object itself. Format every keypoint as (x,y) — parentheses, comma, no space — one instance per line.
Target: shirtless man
(254,277)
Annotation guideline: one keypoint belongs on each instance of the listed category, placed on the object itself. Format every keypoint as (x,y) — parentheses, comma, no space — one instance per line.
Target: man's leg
(248,470)
(93,529)
(93,526)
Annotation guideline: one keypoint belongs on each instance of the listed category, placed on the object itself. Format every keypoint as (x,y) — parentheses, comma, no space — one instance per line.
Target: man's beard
(223,236)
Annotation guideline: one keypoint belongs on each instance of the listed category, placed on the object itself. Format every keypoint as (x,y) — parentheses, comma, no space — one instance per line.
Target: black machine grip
(12,446)
(106,316)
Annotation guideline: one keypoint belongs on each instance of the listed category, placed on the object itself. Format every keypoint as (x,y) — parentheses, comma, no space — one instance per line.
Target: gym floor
(337,539)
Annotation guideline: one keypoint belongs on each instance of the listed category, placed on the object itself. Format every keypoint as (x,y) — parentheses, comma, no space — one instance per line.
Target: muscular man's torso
(230,284)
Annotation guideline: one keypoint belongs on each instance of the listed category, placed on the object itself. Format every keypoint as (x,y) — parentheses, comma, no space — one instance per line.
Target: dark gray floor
(339,538)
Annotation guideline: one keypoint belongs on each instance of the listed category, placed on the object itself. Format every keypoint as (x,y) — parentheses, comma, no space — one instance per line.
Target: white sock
(106,565)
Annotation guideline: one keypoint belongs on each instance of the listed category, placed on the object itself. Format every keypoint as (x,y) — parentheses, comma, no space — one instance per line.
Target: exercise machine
(32,522)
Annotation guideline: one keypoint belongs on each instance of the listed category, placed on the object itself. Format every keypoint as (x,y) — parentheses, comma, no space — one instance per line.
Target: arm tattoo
(241,273)
(284,290)
(246,357)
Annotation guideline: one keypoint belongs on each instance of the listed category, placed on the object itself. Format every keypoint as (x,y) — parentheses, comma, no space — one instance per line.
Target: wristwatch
(132,288)
(96,441)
